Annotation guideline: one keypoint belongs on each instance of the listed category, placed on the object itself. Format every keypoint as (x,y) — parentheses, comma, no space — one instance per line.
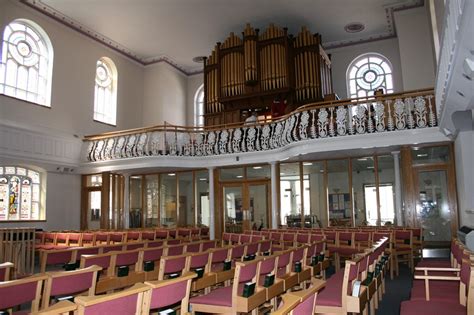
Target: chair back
(206,245)
(199,260)
(69,283)
(170,292)
(251,249)
(193,247)
(18,292)
(175,250)
(129,301)
(148,236)
(112,248)
(237,252)
(5,269)
(245,239)
(306,306)
(171,264)
(152,254)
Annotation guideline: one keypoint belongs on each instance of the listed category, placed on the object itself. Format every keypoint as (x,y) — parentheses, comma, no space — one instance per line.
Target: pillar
(398,189)
(212,221)
(274,188)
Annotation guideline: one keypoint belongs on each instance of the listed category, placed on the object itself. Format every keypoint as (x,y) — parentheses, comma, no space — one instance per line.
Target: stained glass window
(26,64)
(199,107)
(105,102)
(368,73)
(20,194)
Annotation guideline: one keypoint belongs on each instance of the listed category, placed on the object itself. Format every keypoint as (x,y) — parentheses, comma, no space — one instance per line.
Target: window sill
(22,221)
(25,101)
(101,122)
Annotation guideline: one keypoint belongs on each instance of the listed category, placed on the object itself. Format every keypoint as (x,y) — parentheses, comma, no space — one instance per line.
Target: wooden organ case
(252,71)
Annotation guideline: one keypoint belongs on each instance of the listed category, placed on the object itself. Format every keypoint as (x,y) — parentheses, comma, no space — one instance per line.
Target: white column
(126,201)
(275,203)
(212,214)
(398,189)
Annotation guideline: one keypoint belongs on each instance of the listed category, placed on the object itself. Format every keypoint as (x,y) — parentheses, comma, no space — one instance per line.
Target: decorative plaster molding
(39,6)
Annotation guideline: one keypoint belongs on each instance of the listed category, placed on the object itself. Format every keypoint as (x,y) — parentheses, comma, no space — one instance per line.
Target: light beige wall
(194,82)
(164,95)
(72,96)
(342,57)
(416,48)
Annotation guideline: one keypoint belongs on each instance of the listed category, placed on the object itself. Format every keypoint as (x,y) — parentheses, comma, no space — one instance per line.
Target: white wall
(164,95)
(72,96)
(342,57)
(194,82)
(416,48)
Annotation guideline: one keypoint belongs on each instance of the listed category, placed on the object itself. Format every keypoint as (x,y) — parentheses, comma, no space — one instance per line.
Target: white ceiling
(178,30)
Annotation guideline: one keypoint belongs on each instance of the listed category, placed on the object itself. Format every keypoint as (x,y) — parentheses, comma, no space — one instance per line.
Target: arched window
(21,194)
(26,65)
(105,100)
(368,73)
(199,107)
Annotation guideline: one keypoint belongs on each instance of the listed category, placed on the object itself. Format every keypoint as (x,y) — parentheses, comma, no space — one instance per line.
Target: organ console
(250,72)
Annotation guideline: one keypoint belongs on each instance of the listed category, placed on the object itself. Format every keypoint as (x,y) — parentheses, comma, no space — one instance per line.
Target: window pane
(363,181)
(430,155)
(290,194)
(186,199)
(314,194)
(338,193)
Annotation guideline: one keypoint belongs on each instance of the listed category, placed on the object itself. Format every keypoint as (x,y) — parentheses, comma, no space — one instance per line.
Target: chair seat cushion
(431,308)
(331,295)
(438,292)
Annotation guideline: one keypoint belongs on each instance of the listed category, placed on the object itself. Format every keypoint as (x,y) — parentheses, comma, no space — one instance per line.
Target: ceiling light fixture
(354,27)
(239,176)
(171,174)
(257,167)
(422,155)
(202,179)
(307,163)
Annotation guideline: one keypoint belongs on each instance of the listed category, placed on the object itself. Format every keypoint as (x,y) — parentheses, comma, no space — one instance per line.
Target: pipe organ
(251,71)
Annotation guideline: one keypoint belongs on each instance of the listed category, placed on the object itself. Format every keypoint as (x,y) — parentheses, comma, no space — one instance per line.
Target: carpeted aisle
(397,290)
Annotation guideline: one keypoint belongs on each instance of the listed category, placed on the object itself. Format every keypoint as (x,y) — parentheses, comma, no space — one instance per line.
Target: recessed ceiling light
(202,179)
(199,59)
(257,167)
(307,163)
(370,167)
(362,159)
(239,176)
(422,155)
(354,27)
(171,174)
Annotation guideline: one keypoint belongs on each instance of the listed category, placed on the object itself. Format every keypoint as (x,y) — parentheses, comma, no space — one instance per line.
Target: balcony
(349,118)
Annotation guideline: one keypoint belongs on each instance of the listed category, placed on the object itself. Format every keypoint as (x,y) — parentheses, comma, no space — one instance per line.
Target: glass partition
(259,172)
(135,215)
(339,197)
(386,174)
(202,198)
(186,199)
(364,191)
(258,205)
(233,208)
(429,155)
(168,214)
(314,194)
(151,200)
(290,194)
(230,174)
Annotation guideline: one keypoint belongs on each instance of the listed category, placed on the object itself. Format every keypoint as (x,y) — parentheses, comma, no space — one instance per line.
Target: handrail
(363,115)
(316,105)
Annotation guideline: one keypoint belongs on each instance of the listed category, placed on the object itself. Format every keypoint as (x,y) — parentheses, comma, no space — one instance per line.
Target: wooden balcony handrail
(175,128)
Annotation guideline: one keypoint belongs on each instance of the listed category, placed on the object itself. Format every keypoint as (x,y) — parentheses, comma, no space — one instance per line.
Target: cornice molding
(56,15)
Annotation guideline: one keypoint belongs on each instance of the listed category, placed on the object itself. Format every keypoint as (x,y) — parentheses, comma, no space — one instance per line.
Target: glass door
(246,206)
(433,209)
(258,206)
(233,208)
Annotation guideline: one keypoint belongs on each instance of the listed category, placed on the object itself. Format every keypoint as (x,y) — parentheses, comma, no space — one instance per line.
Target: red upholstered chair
(64,283)
(112,248)
(166,293)
(152,255)
(234,238)
(284,269)
(151,244)
(195,233)
(300,255)
(463,304)
(245,238)
(204,233)
(148,236)
(229,299)
(86,251)
(362,240)
(206,245)
(171,265)
(55,257)
(135,245)
(403,248)
(117,238)
(172,233)
(276,238)
(265,247)
(237,253)
(301,302)
(74,239)
(336,298)
(288,239)
(193,247)
(302,238)
(198,261)
(5,271)
(316,238)
(161,234)
(268,266)
(173,242)
(175,250)
(226,238)
(62,240)
(133,236)
(251,249)
(266,234)
(19,292)
(129,301)
(184,234)
(218,257)
(88,239)
(256,238)
(101,238)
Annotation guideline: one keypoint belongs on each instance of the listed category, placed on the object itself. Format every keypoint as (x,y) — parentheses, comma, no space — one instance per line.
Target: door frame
(245,200)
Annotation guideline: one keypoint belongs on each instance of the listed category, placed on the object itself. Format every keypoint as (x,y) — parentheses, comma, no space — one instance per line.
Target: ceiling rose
(354,27)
